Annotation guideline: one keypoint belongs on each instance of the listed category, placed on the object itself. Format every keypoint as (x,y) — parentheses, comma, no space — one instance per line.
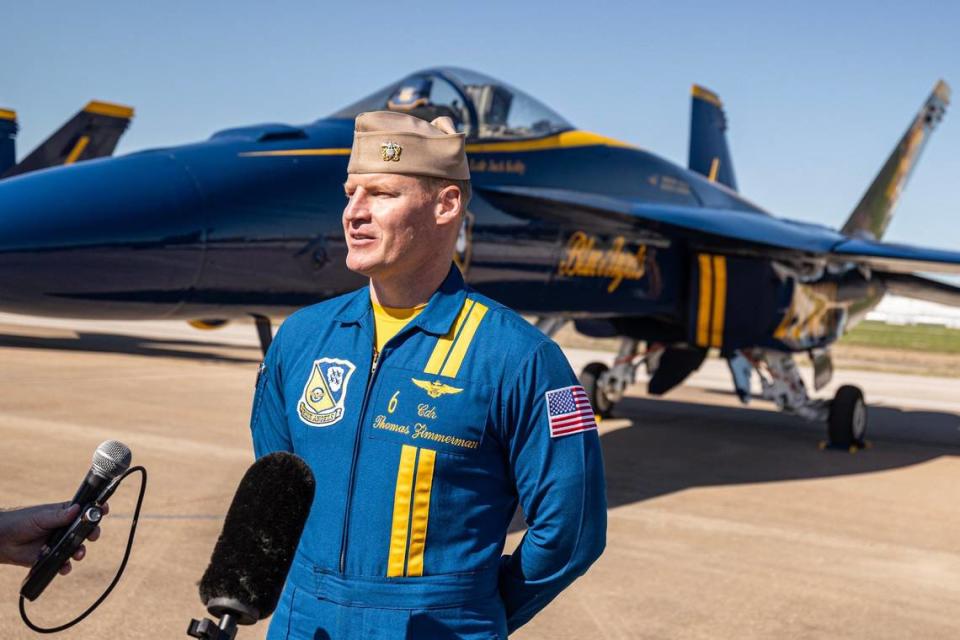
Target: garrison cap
(390,142)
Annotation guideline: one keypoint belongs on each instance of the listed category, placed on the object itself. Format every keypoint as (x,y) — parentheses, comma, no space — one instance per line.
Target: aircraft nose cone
(97,237)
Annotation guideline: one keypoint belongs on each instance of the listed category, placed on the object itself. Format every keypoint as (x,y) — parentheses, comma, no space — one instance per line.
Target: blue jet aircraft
(564,225)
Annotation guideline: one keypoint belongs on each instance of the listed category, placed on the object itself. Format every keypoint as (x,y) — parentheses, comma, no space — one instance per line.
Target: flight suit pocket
(430,411)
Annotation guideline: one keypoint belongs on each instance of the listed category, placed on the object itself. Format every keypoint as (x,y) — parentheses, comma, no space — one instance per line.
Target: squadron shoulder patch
(322,403)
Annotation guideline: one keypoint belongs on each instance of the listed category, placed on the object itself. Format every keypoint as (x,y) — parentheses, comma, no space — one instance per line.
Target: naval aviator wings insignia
(436,388)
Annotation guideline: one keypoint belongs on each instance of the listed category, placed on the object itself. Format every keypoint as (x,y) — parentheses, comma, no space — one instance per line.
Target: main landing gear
(605,385)
(845,415)
(847,421)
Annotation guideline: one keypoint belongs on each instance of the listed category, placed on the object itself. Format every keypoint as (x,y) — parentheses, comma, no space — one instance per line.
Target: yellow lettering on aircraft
(581,259)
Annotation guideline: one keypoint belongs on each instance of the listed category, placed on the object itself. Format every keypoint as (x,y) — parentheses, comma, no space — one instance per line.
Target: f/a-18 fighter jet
(565,225)
(93,132)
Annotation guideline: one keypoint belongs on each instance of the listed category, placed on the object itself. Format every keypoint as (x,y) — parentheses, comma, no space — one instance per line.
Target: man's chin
(362,267)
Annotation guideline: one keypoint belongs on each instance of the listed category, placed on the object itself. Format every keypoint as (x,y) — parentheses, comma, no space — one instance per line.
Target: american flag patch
(569,411)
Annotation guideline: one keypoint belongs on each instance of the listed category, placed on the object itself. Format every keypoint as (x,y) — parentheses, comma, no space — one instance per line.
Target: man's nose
(356,209)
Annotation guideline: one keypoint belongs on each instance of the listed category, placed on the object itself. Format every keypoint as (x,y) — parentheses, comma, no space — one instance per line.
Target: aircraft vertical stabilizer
(875,210)
(709,154)
(8,139)
(91,133)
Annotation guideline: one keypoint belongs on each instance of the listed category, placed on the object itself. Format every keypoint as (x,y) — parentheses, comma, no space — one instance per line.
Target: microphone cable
(123,563)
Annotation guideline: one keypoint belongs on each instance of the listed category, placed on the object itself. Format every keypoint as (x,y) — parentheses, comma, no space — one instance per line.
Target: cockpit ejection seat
(493,105)
(413,97)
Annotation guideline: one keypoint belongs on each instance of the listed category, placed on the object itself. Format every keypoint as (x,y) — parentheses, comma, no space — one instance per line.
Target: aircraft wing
(920,288)
(898,258)
(723,230)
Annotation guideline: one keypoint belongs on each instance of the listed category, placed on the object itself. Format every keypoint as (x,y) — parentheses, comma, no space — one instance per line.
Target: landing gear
(845,415)
(847,422)
(590,378)
(605,386)
(264,332)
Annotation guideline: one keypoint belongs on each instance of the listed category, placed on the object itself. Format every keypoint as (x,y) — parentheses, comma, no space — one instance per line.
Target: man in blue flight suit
(426,412)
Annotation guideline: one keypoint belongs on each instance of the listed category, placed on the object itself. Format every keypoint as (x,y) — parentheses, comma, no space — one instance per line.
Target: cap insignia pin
(390,151)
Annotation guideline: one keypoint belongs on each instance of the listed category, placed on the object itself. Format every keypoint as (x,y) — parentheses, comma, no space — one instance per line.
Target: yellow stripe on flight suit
(415,475)
(421,511)
(459,351)
(445,343)
(711,308)
(401,511)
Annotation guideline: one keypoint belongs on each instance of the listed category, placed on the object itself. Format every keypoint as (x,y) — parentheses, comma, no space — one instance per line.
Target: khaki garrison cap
(390,142)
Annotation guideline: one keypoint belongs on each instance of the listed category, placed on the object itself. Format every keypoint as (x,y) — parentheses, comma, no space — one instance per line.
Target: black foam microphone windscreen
(254,552)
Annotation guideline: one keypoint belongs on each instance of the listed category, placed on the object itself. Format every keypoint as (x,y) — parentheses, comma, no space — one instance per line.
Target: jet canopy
(481,107)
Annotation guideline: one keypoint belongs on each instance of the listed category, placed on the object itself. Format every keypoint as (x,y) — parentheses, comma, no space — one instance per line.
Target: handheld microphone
(253,554)
(110,460)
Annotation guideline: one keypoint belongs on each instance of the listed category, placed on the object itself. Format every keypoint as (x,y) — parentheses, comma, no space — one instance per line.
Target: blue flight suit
(419,466)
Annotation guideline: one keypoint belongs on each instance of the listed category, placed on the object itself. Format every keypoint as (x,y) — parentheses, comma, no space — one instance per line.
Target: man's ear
(449,205)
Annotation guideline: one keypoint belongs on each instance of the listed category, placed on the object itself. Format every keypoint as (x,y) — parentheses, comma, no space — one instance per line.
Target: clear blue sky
(816,93)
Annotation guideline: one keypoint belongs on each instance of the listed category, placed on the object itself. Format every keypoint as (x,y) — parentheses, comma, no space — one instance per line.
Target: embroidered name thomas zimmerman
(420,430)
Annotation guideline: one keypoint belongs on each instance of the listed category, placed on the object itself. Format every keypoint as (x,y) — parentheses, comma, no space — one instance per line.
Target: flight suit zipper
(374,367)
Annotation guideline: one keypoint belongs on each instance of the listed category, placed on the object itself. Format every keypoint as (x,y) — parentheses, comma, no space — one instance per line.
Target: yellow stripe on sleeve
(401,511)
(421,511)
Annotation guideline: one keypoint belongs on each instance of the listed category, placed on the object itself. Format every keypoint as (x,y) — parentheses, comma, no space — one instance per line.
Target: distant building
(899,310)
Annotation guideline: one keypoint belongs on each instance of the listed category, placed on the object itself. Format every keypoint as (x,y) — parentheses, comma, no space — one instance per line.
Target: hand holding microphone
(23,532)
(76,521)
(110,460)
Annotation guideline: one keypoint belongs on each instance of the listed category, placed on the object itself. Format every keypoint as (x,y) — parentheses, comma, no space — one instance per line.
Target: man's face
(389,224)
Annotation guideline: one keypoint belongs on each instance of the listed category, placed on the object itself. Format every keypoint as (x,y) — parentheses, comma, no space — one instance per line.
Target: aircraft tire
(590,379)
(847,423)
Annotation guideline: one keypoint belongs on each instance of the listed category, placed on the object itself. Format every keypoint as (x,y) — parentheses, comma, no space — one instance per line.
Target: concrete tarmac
(724,521)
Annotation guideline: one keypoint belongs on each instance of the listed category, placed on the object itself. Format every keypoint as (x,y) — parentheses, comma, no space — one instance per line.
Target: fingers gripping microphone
(253,555)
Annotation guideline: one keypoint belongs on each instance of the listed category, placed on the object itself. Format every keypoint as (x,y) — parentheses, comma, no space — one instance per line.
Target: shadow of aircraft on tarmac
(204,350)
(671,446)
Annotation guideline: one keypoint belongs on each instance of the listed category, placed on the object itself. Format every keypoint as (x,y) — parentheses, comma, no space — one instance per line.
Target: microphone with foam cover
(253,554)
